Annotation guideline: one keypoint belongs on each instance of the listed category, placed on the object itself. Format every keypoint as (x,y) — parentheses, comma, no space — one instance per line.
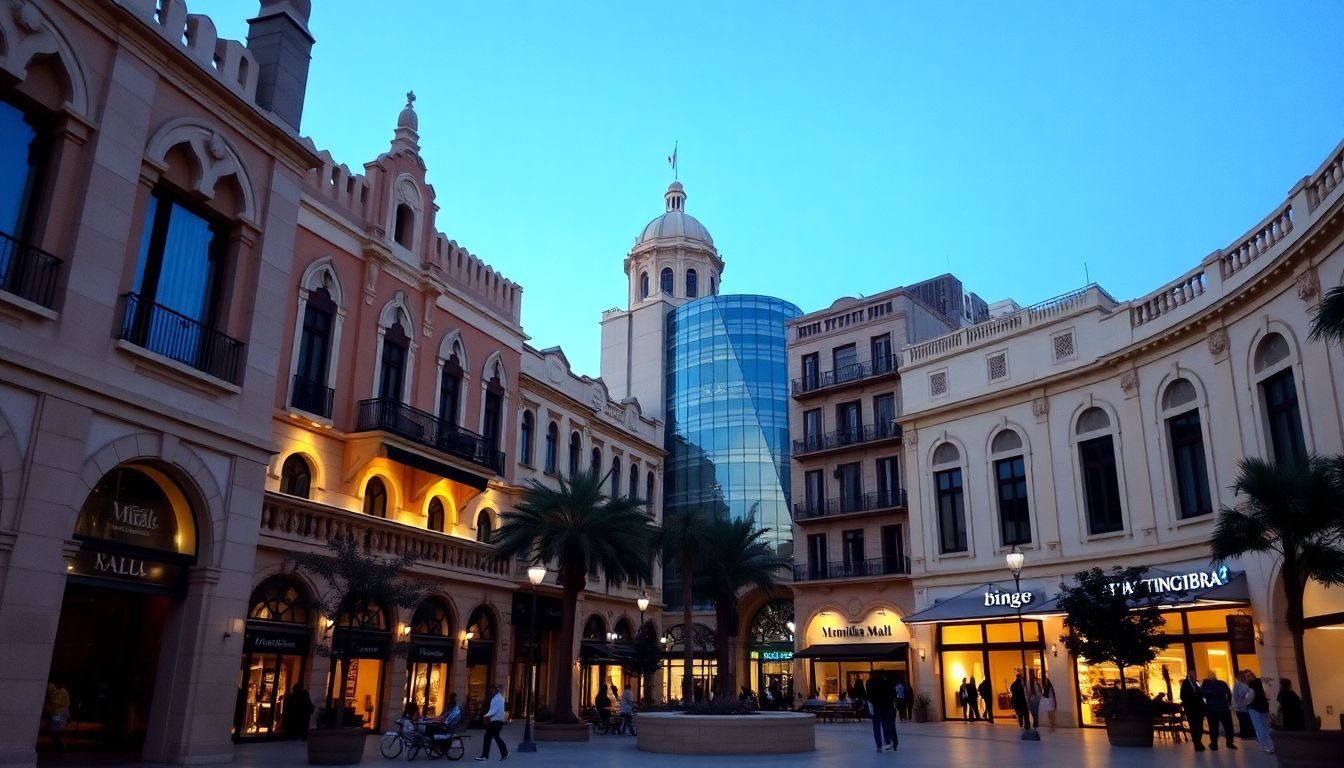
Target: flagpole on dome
(672,161)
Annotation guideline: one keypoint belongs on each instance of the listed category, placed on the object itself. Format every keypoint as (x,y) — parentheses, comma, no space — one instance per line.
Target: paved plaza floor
(958,745)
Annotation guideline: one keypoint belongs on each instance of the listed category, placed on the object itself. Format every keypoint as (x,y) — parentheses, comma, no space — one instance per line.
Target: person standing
(1218,708)
(973,698)
(1034,700)
(901,694)
(882,700)
(1241,700)
(986,695)
(1290,707)
(298,710)
(494,723)
(1192,702)
(1258,710)
(1018,693)
(57,710)
(1048,703)
(627,706)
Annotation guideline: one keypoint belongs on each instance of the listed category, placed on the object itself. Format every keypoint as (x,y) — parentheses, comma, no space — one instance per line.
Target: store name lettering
(120,565)
(144,518)
(1182,582)
(776,655)
(1008,599)
(849,632)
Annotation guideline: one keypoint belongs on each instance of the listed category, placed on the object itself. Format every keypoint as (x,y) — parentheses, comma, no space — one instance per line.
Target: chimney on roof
(279,40)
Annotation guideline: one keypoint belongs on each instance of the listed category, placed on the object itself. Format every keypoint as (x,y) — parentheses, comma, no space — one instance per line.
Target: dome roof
(676,222)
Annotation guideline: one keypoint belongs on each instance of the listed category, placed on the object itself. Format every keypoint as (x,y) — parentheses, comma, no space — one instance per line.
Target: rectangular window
(951,511)
(1286,441)
(851,487)
(883,362)
(816,556)
(848,422)
(1188,465)
(884,415)
(853,551)
(846,362)
(493,411)
(814,490)
(310,379)
(450,384)
(24,270)
(1101,485)
(392,371)
(812,429)
(888,483)
(1014,518)
(811,372)
(893,554)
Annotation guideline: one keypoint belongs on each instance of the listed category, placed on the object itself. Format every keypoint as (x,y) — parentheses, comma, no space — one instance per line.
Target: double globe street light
(1015,562)
(536,573)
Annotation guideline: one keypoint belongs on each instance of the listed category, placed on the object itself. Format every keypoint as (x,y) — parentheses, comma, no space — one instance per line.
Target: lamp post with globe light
(643,604)
(535,574)
(1015,562)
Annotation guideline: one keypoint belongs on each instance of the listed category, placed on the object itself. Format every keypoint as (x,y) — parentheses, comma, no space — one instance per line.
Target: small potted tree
(356,585)
(1114,617)
(922,704)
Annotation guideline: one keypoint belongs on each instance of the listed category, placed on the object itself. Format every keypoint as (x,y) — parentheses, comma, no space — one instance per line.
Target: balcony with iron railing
(27,271)
(312,397)
(847,438)
(845,375)
(874,501)
(892,565)
(178,337)
(388,415)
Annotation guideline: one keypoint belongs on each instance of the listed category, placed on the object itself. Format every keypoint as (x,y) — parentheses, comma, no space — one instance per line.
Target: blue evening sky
(834,149)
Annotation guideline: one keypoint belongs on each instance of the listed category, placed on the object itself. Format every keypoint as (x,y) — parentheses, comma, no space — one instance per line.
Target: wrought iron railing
(416,425)
(845,374)
(178,337)
(844,505)
(869,433)
(27,271)
(892,565)
(312,396)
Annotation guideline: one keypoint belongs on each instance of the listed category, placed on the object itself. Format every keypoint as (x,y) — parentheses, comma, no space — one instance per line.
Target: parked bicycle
(422,738)
(617,724)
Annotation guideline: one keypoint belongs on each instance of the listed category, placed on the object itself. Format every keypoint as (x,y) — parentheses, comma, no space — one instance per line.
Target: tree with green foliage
(647,657)
(736,557)
(1294,511)
(580,530)
(360,591)
(683,544)
(1328,322)
(1112,617)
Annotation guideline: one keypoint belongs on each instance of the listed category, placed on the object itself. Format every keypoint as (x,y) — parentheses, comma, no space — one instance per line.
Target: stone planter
(336,746)
(1308,749)
(761,733)
(921,714)
(1129,731)
(561,731)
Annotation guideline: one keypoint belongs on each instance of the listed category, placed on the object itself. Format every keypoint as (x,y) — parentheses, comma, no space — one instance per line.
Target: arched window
(485,528)
(574,448)
(311,393)
(365,614)
(615,476)
(644,285)
(481,625)
(1278,395)
(634,479)
(375,498)
(525,441)
(404,232)
(692,284)
(595,460)
(1101,483)
(450,391)
(1010,483)
(431,618)
(552,447)
(648,490)
(665,281)
(279,598)
(713,286)
(437,515)
(296,476)
(595,628)
(392,368)
(1189,468)
(624,631)
(950,501)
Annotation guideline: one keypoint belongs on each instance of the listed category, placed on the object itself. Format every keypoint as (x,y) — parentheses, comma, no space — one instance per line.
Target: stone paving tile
(960,745)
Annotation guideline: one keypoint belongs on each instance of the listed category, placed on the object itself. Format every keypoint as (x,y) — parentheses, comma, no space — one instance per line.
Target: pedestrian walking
(1192,702)
(986,695)
(902,694)
(1258,710)
(1034,699)
(1290,707)
(973,698)
(961,701)
(1048,702)
(1018,693)
(298,710)
(494,723)
(1218,709)
(882,706)
(1241,701)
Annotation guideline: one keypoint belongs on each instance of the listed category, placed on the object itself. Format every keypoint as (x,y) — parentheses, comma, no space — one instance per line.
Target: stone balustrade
(1184,289)
(1258,241)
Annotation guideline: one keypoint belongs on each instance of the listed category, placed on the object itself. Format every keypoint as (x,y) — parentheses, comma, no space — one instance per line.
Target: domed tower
(674,257)
(672,262)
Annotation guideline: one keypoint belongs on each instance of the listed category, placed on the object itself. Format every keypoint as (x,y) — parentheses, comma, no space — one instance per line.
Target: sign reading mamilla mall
(878,626)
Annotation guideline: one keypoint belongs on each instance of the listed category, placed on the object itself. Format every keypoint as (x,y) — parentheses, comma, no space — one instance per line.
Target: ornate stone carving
(1129,381)
(216,147)
(1040,407)
(26,16)
(1217,342)
(1308,287)
(370,279)
(910,437)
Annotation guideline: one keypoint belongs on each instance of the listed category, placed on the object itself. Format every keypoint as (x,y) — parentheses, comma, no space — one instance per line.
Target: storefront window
(275,646)
(991,650)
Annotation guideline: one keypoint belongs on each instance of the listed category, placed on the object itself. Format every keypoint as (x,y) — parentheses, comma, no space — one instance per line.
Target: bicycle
(449,744)
(392,743)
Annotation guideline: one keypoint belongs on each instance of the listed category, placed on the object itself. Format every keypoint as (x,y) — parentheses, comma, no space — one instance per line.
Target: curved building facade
(728,411)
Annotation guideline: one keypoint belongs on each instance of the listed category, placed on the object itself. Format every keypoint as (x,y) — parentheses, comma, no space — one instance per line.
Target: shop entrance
(770,655)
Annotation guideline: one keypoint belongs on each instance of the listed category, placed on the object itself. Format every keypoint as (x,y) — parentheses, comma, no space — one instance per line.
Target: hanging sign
(126,569)
(1241,633)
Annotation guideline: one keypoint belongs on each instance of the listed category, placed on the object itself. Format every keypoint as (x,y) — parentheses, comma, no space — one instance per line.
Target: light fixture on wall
(327,625)
(923,654)
(466,638)
(1259,634)
(236,627)
(791,627)
(403,630)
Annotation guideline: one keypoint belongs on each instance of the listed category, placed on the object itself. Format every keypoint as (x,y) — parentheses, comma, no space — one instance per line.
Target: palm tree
(580,530)
(1329,320)
(684,539)
(1294,510)
(735,559)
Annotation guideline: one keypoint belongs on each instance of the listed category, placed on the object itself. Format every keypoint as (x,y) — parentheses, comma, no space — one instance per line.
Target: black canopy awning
(987,601)
(435,467)
(855,652)
(599,652)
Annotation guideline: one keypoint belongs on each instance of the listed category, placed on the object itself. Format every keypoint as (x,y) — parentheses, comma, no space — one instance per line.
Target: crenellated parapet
(228,60)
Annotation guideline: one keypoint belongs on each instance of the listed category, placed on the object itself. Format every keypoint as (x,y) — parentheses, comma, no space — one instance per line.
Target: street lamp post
(535,574)
(643,604)
(1015,562)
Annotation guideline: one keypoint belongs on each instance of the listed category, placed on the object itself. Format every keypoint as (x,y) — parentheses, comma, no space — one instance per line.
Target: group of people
(447,721)
(626,707)
(1212,702)
(1029,700)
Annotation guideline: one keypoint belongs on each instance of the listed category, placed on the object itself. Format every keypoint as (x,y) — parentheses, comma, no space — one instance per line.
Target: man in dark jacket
(882,698)
(1218,708)
(1192,702)
(986,695)
(1018,692)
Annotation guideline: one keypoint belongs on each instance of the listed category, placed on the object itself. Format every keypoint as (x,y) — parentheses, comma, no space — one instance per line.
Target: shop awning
(987,601)
(855,652)
(596,651)
(1207,587)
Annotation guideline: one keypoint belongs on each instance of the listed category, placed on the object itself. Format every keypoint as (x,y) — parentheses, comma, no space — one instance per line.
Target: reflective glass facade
(728,412)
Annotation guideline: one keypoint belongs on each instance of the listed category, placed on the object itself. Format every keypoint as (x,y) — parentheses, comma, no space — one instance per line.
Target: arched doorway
(363,638)
(770,654)
(276,642)
(137,539)
(429,659)
(481,635)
